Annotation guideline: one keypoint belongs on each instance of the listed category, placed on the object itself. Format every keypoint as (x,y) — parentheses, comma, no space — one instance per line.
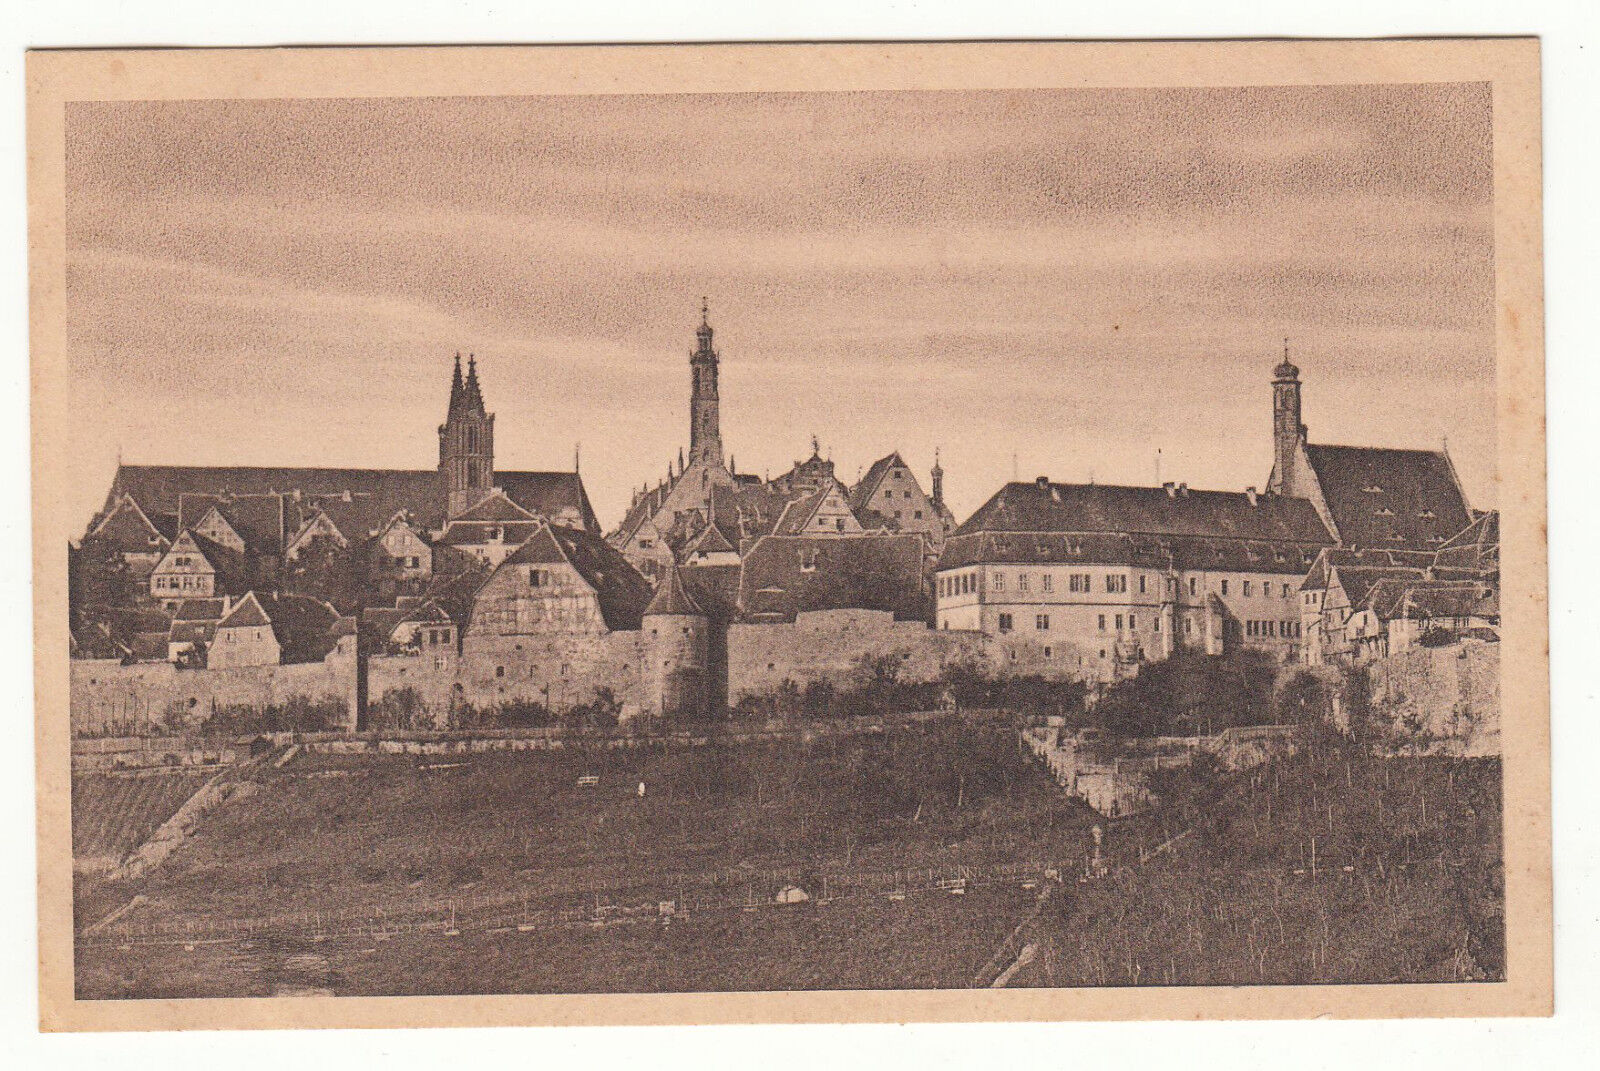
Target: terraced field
(113,814)
(385,834)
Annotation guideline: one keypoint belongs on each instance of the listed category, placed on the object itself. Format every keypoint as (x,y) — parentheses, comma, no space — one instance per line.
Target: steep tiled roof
(229,564)
(199,610)
(157,487)
(782,576)
(1358,580)
(304,626)
(494,506)
(1373,557)
(671,598)
(1476,548)
(248,613)
(129,529)
(474,533)
(797,514)
(1390,498)
(1048,523)
(1152,552)
(259,519)
(1068,507)
(1394,597)
(867,486)
(621,591)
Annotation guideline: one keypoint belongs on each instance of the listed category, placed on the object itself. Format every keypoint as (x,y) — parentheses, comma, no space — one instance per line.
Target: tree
(98,575)
(326,570)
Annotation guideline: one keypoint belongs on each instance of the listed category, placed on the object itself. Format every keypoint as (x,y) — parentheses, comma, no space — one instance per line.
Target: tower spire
(705,429)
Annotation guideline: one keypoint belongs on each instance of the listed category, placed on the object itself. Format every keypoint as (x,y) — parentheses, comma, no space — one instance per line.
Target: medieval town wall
(831,645)
(107,697)
(558,671)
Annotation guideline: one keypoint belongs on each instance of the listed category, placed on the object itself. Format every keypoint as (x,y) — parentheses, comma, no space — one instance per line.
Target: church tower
(466,443)
(1288,433)
(705,432)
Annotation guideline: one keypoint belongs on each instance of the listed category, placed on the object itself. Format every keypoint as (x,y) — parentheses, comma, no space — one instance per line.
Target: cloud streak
(1076,276)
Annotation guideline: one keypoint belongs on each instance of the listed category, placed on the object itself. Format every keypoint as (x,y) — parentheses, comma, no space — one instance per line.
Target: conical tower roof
(672,599)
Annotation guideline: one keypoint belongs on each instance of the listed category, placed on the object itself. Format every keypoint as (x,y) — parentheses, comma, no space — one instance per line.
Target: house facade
(1090,581)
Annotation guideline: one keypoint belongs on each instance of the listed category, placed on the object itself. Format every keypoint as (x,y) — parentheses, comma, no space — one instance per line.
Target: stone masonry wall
(830,645)
(108,697)
(1446,698)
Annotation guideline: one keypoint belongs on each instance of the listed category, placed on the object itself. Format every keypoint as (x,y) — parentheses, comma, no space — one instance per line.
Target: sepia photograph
(880,532)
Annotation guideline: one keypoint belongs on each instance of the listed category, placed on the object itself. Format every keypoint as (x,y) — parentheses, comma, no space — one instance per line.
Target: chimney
(1183,490)
(1250,493)
(1042,482)
(1170,488)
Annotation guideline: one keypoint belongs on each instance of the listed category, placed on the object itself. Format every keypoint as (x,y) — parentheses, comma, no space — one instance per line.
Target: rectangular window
(999,581)
(1286,591)
(1133,622)
(1005,622)
(1141,583)
(1271,629)
(1191,585)
(1045,581)
(1022,582)
(1042,622)
(1224,586)
(1119,622)
(916,514)
(1155,626)
(1116,584)
(1188,626)
(1250,628)
(1048,652)
(1247,589)
(1102,622)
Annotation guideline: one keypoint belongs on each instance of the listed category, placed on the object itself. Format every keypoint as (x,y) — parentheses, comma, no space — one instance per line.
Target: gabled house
(491,528)
(244,637)
(824,512)
(413,626)
(560,580)
(399,558)
(127,528)
(195,567)
(890,497)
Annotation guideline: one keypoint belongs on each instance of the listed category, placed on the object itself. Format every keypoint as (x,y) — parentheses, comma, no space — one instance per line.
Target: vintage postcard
(789,533)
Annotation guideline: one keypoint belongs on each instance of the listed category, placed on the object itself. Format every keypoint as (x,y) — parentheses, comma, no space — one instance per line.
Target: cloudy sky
(1045,282)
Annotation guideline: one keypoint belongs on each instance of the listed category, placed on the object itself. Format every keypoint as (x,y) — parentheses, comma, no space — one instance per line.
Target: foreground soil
(396,833)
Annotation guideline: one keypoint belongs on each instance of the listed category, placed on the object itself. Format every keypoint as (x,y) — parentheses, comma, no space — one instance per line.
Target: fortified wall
(832,645)
(109,698)
(659,669)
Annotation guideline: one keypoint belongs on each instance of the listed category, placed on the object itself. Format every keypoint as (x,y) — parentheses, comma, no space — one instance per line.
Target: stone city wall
(831,645)
(108,698)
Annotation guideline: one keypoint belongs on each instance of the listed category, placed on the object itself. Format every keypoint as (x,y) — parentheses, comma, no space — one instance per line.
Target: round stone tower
(677,645)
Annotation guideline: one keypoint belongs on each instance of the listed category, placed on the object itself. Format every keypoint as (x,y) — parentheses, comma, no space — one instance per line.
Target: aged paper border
(1510,64)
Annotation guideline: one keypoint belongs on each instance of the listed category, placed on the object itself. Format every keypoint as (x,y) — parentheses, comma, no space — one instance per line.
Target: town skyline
(1044,283)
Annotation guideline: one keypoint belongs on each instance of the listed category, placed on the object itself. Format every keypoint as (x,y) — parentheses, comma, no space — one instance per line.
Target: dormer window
(1384,511)
(1373,489)
(1426,514)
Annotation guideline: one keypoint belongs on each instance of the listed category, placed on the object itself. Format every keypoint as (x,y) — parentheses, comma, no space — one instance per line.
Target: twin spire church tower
(466,444)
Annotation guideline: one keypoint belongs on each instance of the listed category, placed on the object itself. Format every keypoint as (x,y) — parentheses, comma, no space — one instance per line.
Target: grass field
(336,835)
(1331,866)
